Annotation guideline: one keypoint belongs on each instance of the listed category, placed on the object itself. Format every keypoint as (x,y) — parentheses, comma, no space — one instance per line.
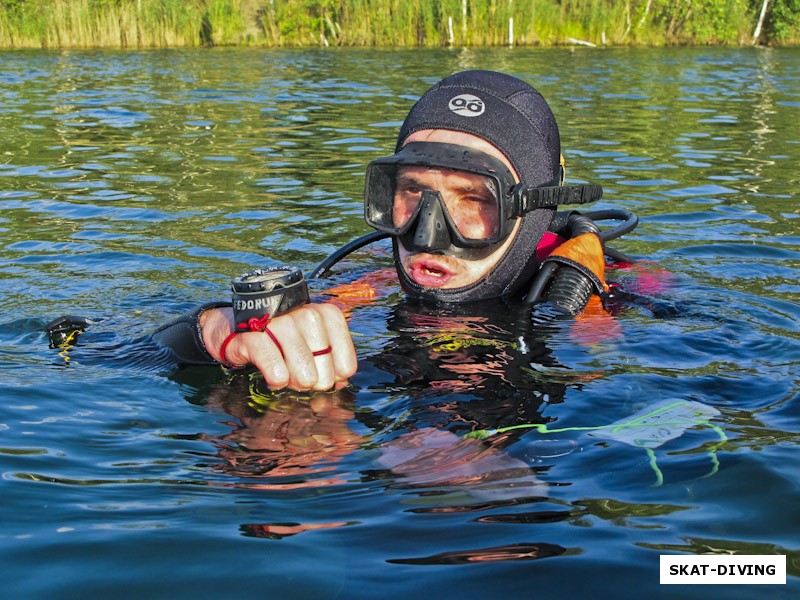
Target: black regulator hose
(578,224)
(629,222)
(563,220)
(541,280)
(569,291)
(356,244)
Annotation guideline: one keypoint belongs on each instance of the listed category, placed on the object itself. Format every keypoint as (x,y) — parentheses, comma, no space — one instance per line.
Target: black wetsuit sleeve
(184,338)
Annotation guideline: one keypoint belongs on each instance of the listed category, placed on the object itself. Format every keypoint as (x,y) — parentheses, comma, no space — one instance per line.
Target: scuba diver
(470,201)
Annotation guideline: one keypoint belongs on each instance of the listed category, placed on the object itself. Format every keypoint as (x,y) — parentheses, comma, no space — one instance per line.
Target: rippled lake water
(134,185)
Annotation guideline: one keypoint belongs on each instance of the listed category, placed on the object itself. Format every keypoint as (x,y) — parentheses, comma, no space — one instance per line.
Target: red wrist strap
(274,339)
(253,325)
(222,349)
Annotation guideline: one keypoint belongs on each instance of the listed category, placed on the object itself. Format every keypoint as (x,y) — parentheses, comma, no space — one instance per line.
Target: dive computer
(267,293)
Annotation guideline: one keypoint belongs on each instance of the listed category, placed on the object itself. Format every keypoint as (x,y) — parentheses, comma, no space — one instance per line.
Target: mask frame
(380,188)
(514,200)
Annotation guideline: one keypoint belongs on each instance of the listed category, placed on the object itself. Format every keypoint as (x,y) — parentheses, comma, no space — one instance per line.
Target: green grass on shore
(181,23)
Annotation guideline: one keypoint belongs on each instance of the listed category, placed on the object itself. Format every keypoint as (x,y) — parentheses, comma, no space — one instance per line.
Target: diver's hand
(301,332)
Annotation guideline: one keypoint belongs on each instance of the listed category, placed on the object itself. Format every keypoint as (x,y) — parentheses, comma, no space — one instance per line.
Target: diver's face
(462,194)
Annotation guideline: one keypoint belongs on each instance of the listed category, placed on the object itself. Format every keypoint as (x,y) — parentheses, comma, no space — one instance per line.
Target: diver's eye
(409,189)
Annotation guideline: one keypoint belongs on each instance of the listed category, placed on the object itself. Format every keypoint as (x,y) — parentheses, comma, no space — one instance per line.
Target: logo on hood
(467,105)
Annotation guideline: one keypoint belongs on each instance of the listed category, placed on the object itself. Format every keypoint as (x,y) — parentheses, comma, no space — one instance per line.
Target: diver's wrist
(215,325)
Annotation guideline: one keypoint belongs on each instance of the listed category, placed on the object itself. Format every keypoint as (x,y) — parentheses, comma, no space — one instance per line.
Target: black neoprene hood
(515,118)
(503,110)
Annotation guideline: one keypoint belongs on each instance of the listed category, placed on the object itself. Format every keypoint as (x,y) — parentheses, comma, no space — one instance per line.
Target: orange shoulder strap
(585,253)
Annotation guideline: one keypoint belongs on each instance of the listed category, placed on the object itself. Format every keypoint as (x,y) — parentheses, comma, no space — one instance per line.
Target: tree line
(180,23)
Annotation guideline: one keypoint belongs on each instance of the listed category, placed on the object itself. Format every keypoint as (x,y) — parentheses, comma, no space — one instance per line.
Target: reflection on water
(134,185)
(497,553)
(284,436)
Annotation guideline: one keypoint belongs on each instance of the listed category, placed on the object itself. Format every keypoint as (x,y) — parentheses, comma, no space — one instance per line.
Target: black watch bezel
(267,292)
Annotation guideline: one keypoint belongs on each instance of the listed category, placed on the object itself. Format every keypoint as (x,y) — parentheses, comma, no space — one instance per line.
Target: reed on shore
(181,23)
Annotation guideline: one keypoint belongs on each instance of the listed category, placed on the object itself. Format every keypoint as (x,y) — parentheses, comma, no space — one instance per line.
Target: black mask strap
(551,196)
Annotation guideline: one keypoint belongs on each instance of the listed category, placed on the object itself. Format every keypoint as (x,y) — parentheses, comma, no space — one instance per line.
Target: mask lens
(471,200)
(379,198)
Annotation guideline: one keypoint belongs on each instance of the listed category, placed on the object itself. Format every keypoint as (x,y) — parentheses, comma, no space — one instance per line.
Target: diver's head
(452,196)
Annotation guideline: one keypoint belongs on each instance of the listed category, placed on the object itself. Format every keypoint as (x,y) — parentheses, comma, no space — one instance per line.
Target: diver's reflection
(283,440)
(287,441)
(458,370)
(440,459)
(480,367)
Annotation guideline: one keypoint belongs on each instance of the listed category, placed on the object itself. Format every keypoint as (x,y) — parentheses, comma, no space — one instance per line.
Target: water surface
(134,185)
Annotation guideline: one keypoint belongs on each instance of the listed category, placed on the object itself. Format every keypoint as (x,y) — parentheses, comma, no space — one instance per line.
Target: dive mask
(454,199)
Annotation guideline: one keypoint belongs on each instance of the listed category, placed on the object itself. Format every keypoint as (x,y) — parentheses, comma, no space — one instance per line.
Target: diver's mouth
(429,272)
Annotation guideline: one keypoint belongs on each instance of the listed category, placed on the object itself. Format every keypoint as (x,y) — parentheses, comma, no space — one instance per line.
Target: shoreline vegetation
(423,23)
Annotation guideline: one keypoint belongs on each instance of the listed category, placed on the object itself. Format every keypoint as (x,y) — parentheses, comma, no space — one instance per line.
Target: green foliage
(223,23)
(783,24)
(719,21)
(138,23)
